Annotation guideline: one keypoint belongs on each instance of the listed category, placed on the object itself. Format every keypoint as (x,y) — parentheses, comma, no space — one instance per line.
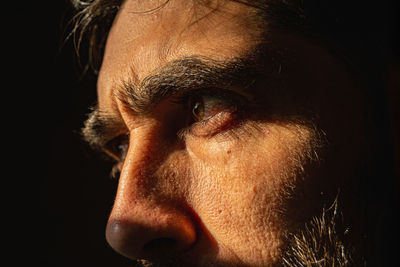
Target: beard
(321,242)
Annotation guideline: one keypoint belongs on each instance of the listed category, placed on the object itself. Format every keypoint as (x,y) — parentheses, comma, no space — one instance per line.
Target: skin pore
(229,134)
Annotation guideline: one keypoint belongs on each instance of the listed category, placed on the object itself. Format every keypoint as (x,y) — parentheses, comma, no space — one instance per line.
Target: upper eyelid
(102,126)
(119,137)
(227,94)
(185,74)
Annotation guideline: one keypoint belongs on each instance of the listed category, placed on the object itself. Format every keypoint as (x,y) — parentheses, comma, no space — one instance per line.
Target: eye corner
(117,147)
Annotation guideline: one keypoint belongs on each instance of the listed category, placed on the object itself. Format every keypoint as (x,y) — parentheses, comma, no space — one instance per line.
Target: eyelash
(116,149)
(231,102)
(230,105)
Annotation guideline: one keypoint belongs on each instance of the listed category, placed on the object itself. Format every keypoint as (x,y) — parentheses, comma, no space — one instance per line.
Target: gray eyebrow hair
(177,77)
(186,74)
(100,127)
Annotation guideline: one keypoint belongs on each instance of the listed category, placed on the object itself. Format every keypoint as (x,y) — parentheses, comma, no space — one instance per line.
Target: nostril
(151,239)
(150,233)
(160,245)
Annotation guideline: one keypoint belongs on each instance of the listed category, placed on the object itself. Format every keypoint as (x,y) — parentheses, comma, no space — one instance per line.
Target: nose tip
(153,240)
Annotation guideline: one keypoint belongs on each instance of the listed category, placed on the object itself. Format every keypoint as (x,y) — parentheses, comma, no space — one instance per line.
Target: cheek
(240,183)
(268,153)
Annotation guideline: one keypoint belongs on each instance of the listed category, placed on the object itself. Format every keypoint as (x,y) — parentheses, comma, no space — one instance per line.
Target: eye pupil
(198,110)
(117,147)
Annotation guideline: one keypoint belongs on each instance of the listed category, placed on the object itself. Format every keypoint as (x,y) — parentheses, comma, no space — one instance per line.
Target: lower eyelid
(215,124)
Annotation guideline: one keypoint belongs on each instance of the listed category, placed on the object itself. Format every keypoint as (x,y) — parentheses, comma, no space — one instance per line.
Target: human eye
(117,149)
(212,111)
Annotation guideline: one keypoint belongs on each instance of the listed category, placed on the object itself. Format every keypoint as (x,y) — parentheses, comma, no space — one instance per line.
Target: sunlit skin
(226,191)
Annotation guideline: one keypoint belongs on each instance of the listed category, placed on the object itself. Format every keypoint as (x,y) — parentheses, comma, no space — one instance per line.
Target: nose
(155,234)
(146,223)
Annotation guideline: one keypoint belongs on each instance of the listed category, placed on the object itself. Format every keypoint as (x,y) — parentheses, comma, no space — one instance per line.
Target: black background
(76,193)
(50,162)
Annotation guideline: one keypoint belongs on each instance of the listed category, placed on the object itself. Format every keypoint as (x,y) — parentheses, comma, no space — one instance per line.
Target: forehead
(144,37)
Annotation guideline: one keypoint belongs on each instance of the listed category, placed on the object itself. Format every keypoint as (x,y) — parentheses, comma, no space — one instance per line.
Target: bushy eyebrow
(189,73)
(177,77)
(100,127)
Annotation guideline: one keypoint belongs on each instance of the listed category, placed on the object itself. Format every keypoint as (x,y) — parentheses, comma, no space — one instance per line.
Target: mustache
(321,242)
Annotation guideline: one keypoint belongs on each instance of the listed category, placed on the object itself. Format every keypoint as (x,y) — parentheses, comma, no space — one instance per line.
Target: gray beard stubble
(320,243)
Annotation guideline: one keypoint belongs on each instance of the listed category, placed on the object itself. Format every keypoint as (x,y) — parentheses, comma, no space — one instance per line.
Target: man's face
(219,123)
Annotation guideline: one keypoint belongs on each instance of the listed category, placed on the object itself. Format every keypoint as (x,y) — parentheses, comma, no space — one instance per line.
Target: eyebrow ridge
(189,73)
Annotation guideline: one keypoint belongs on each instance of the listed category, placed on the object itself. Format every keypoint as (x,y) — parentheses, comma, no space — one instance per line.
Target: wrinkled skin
(215,194)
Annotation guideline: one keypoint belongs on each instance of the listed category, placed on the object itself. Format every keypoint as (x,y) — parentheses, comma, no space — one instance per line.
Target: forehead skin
(236,186)
(147,41)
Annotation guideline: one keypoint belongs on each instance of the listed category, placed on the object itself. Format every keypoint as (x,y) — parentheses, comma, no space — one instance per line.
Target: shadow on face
(236,134)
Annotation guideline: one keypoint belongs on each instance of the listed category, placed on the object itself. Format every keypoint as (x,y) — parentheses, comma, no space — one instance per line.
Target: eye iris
(122,148)
(118,147)
(198,110)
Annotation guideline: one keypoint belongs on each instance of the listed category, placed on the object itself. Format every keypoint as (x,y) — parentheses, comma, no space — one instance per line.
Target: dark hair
(359,29)
(364,34)
(94,18)
(92,23)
